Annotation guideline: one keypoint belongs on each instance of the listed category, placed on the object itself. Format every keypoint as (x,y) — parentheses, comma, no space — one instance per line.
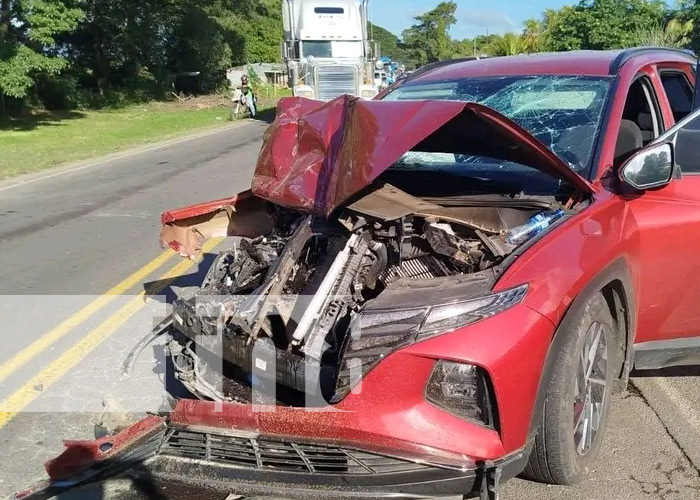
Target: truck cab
(327,49)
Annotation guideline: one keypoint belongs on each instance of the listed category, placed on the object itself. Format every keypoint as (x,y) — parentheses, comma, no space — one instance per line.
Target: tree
(261,29)
(390,45)
(601,24)
(429,40)
(478,46)
(676,34)
(121,43)
(28,49)
(689,10)
(509,44)
(533,36)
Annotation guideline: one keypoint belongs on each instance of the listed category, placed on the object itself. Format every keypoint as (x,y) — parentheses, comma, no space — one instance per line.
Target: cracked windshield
(564,113)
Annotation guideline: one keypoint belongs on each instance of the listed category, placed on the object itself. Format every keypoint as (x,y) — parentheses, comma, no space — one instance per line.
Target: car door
(668,230)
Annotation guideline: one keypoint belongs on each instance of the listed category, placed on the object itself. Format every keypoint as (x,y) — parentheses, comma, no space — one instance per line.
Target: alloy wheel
(591,379)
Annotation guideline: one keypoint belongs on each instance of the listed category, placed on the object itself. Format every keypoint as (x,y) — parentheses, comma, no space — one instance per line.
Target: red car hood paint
(316,155)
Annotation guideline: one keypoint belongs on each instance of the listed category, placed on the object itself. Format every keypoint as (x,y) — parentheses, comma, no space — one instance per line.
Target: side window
(641,121)
(679,93)
(687,146)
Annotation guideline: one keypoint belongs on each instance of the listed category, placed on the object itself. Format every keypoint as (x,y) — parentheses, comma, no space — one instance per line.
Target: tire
(560,455)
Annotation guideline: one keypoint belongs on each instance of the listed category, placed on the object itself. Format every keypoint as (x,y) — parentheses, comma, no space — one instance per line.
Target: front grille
(265,454)
(333,81)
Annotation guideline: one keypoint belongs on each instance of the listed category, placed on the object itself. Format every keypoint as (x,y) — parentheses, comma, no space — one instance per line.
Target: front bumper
(423,450)
(190,463)
(388,408)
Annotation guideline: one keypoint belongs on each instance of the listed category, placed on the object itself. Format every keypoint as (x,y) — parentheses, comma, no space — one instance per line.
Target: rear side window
(679,93)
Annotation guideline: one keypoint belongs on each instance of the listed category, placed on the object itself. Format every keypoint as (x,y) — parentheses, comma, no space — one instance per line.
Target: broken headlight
(463,390)
(448,317)
(377,333)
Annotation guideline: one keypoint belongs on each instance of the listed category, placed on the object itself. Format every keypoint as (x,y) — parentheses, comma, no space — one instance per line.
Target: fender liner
(618,270)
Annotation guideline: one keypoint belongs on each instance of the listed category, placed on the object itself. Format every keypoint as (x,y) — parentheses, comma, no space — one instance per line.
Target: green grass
(45,139)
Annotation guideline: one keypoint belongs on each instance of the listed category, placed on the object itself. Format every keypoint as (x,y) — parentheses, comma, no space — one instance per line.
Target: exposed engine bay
(289,308)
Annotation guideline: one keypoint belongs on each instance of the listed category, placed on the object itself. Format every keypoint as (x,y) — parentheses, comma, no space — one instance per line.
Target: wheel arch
(616,285)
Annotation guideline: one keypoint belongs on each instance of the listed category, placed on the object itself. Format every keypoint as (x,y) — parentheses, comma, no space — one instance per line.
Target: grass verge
(46,139)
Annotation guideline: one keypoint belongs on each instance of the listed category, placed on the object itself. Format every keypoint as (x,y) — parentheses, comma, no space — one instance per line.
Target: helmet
(244,79)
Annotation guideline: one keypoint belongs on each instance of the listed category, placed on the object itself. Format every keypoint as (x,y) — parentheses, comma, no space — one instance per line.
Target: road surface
(82,279)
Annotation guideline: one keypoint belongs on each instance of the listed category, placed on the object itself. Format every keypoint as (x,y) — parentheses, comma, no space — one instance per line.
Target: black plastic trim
(667,353)
(629,54)
(594,165)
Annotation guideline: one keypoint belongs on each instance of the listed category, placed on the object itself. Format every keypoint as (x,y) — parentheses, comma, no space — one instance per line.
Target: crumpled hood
(316,155)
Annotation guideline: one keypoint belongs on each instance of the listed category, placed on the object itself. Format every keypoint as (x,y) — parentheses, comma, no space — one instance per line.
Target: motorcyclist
(248,95)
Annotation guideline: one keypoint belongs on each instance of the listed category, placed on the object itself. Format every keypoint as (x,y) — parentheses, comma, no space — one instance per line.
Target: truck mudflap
(165,457)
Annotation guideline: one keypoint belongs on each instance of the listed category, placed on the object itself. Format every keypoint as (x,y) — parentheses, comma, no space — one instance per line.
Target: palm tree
(675,34)
(532,37)
(507,45)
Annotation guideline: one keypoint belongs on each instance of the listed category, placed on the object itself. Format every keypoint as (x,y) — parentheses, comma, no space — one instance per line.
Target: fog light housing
(464,391)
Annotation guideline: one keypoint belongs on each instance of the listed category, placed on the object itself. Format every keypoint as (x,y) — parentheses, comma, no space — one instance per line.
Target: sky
(474,17)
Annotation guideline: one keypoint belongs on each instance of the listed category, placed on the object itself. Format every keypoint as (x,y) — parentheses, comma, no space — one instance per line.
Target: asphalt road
(68,238)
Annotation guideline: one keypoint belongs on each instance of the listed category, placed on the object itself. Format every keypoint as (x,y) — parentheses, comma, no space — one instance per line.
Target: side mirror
(649,168)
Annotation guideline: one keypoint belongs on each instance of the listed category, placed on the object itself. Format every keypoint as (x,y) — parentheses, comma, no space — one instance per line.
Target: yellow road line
(20,399)
(50,337)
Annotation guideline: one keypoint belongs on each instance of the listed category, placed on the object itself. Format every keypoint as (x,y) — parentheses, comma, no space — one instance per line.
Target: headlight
(448,317)
(304,91)
(376,334)
(463,390)
(368,92)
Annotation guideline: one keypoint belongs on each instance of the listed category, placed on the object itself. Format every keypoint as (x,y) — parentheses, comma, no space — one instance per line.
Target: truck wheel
(578,400)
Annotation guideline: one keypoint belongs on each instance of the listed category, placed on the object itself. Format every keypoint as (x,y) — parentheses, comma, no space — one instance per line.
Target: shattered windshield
(563,112)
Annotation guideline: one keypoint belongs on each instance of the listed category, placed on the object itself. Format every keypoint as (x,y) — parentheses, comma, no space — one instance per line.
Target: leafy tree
(676,34)
(121,43)
(28,49)
(533,36)
(390,44)
(261,28)
(509,44)
(689,10)
(601,24)
(429,40)
(478,46)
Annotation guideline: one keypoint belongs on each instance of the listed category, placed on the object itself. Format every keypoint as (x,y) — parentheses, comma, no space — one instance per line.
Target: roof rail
(438,64)
(627,54)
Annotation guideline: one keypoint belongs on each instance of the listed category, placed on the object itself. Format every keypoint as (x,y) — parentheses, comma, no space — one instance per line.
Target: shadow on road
(266,116)
(675,371)
(164,287)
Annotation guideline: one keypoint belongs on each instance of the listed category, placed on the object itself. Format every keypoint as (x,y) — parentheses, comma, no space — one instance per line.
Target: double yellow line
(21,398)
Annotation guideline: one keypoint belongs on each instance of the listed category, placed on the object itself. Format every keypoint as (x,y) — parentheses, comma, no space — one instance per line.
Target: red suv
(476,260)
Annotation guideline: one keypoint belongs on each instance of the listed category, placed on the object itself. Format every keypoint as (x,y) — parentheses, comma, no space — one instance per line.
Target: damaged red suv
(433,291)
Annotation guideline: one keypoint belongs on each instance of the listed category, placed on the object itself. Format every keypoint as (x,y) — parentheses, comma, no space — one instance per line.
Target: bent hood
(316,155)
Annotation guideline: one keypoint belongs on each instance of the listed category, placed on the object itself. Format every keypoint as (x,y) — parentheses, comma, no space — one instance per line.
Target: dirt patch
(267,97)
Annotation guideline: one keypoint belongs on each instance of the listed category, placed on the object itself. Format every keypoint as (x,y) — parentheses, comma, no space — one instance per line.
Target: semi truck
(327,49)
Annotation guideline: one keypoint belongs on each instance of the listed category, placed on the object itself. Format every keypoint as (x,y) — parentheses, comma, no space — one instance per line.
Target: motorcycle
(243,103)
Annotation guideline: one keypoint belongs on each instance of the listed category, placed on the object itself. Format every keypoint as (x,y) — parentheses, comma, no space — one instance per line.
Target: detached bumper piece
(260,466)
(186,463)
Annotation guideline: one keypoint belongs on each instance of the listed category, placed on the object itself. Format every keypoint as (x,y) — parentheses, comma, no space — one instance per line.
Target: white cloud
(485,18)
